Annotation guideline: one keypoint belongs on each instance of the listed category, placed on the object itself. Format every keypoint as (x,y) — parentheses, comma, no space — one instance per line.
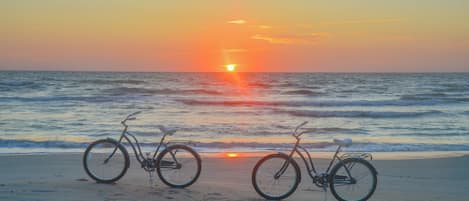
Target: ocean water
(65,111)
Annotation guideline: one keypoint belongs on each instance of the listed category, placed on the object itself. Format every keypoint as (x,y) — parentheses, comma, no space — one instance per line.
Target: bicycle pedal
(325,195)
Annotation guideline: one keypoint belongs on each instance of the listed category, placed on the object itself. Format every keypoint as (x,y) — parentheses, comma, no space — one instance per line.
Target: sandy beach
(235,81)
(61,177)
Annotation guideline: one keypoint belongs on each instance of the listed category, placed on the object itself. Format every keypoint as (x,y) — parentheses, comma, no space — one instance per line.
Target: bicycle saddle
(167,131)
(345,142)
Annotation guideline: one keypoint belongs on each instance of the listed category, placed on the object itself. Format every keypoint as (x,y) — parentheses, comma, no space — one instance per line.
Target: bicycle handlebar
(130,117)
(133,114)
(296,134)
(299,126)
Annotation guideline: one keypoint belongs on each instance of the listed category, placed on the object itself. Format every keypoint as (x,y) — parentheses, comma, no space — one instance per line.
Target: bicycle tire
(351,162)
(121,160)
(162,163)
(282,158)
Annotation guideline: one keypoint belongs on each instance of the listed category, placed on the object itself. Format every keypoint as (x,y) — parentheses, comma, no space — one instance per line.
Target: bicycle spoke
(105,163)
(271,186)
(358,186)
(178,167)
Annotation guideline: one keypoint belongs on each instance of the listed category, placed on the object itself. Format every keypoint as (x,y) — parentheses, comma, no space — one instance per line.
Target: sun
(232,155)
(231,67)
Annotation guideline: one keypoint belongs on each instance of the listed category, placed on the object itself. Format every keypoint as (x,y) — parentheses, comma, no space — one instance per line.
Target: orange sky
(258,35)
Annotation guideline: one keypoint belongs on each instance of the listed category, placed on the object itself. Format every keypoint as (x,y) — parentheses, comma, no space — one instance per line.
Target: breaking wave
(104,82)
(16,83)
(60,98)
(220,146)
(324,103)
(357,114)
(302,92)
(132,90)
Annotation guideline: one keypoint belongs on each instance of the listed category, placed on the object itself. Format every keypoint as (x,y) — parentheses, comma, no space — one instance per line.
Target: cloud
(367,21)
(235,50)
(300,39)
(264,27)
(236,21)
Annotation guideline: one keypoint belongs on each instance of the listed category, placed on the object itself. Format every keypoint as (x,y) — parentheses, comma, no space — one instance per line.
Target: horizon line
(110,71)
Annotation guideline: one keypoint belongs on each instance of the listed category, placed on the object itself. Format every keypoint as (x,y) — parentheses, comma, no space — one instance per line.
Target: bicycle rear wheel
(276,177)
(106,161)
(178,166)
(359,185)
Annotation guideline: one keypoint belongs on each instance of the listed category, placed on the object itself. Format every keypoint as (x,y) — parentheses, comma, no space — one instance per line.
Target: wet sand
(61,177)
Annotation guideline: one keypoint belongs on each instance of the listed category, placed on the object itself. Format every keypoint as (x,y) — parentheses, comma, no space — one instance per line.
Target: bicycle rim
(178,167)
(359,186)
(102,165)
(272,187)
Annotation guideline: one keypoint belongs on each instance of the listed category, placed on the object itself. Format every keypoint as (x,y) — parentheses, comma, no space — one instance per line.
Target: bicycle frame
(310,165)
(137,149)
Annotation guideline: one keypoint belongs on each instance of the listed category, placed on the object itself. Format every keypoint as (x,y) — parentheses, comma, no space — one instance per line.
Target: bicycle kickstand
(325,192)
(150,178)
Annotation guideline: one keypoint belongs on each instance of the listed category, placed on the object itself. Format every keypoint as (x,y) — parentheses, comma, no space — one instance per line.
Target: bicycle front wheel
(106,161)
(276,176)
(178,166)
(353,179)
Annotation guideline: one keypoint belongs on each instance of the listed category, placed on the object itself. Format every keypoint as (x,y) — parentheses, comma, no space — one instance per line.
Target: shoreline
(256,154)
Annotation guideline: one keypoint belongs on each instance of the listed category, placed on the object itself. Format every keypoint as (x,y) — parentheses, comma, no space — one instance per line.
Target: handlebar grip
(302,124)
(299,126)
(135,113)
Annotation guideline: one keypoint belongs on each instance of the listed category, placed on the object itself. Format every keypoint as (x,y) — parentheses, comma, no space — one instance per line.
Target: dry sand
(61,177)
